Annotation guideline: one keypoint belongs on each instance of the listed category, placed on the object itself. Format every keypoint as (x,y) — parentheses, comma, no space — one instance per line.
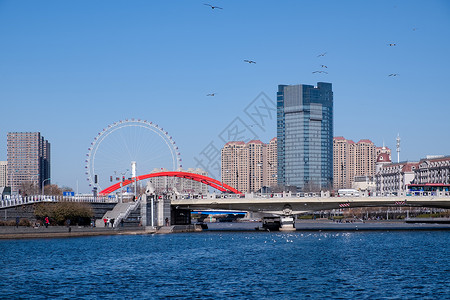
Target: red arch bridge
(196,177)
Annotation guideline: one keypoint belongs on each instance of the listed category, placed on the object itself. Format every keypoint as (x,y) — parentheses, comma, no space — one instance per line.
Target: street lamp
(33,182)
(121,185)
(43,185)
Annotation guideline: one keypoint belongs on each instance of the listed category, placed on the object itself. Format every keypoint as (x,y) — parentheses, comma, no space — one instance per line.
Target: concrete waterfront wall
(26,211)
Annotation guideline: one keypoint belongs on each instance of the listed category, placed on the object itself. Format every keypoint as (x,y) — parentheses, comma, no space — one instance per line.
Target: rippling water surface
(247,265)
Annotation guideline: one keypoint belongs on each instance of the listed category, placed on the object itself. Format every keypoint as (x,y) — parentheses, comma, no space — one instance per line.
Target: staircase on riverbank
(120,212)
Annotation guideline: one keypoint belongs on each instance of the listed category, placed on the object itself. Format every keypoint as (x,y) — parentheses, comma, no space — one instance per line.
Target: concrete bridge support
(155,210)
(287,223)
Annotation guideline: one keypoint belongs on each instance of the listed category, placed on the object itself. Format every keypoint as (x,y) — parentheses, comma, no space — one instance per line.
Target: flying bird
(392,44)
(393,74)
(212,6)
(323,66)
(250,61)
(320,72)
(211,95)
(322,54)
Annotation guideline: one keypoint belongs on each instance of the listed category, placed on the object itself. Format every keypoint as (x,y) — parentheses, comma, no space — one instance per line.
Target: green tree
(77,212)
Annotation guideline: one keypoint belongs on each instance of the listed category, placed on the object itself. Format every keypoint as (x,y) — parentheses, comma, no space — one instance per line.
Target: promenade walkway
(11,232)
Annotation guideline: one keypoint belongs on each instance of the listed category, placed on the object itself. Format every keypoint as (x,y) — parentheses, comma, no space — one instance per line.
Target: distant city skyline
(69,69)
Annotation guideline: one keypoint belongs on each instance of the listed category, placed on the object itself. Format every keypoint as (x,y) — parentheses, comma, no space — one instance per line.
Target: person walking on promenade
(112,223)
(46,222)
(121,222)
(17,221)
(106,221)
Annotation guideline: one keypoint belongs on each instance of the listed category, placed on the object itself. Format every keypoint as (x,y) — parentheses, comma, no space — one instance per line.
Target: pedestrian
(106,221)
(112,222)
(46,222)
(167,221)
(121,222)
(68,225)
(17,222)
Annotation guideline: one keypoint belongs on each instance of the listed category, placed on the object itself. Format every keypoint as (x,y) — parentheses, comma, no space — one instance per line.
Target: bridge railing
(401,194)
(18,200)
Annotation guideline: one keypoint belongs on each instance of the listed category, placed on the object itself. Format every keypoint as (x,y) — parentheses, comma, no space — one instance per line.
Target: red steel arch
(200,178)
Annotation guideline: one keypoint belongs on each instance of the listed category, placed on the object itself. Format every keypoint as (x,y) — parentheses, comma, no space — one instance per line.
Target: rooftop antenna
(398,147)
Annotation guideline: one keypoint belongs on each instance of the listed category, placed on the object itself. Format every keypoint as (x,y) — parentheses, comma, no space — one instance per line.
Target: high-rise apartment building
(28,159)
(271,164)
(179,185)
(3,173)
(305,136)
(248,167)
(352,160)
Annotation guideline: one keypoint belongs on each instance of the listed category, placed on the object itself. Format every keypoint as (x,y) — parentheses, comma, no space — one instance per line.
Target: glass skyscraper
(305,136)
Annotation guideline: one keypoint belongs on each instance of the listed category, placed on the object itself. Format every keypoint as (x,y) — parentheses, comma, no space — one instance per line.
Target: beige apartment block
(248,167)
(352,160)
(3,173)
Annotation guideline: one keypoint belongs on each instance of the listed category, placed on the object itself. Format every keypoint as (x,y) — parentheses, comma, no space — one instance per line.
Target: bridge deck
(301,204)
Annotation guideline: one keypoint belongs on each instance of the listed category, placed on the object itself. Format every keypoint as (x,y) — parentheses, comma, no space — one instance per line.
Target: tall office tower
(45,154)
(3,173)
(248,167)
(352,160)
(28,159)
(305,136)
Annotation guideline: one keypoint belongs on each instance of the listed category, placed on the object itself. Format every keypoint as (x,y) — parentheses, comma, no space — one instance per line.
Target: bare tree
(53,190)
(66,189)
(29,188)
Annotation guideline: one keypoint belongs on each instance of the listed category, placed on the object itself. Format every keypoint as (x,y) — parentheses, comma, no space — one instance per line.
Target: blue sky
(70,68)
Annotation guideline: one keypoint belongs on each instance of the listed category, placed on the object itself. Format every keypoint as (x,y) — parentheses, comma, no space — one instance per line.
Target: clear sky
(70,68)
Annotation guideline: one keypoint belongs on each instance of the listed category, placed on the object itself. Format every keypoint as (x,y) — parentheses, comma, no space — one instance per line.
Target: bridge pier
(287,223)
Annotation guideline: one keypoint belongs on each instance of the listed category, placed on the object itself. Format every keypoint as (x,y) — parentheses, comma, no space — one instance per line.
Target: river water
(219,265)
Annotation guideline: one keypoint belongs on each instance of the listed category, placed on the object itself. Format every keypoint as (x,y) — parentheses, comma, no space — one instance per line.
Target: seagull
(393,74)
(212,7)
(320,72)
(323,66)
(211,95)
(250,61)
(392,44)
(322,54)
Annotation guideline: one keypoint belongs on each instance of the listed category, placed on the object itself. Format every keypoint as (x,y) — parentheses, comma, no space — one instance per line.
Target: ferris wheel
(143,144)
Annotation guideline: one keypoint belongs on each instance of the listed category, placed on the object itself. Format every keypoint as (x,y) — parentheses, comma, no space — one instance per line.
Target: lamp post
(43,185)
(121,185)
(33,182)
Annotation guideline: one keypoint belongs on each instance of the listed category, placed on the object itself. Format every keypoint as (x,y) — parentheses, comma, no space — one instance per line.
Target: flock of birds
(321,71)
(326,67)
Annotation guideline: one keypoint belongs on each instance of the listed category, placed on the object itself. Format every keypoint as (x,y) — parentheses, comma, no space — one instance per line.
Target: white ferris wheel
(114,150)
